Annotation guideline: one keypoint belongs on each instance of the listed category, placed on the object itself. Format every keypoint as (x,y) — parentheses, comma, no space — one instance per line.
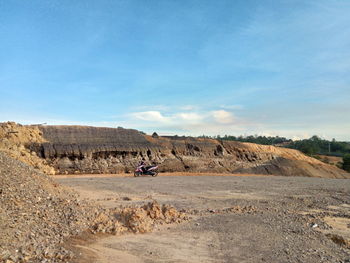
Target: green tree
(346,162)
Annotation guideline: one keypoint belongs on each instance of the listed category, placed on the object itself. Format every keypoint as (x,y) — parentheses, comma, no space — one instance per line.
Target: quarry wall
(82,149)
(85,149)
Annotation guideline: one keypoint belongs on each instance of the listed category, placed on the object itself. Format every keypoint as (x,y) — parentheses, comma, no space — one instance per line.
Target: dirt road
(234,218)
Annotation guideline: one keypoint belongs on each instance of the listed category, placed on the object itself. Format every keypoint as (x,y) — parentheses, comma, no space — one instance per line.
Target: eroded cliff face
(82,149)
(16,141)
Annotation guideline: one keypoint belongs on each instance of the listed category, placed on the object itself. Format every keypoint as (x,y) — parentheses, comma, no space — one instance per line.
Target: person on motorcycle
(143,170)
(143,165)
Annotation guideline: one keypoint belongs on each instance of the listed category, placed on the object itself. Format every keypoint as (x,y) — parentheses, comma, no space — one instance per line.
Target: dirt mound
(293,167)
(15,140)
(137,219)
(36,215)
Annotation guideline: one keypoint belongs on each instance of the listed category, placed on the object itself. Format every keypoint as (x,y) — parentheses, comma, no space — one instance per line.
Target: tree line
(265,140)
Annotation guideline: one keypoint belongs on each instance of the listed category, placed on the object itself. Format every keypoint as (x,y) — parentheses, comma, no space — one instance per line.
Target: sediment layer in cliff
(84,149)
(77,149)
(16,141)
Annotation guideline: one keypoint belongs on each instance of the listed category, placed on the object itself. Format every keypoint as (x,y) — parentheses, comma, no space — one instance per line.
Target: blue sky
(179,67)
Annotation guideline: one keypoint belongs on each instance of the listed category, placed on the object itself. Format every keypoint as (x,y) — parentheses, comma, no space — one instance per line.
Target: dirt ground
(233,219)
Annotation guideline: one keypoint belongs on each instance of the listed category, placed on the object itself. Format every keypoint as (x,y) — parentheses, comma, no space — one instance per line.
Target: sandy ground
(61,176)
(233,218)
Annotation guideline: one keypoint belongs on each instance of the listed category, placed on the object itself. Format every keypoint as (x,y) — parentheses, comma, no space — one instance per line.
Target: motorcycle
(143,170)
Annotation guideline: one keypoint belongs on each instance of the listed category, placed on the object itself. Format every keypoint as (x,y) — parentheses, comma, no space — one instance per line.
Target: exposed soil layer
(83,149)
(16,140)
(234,219)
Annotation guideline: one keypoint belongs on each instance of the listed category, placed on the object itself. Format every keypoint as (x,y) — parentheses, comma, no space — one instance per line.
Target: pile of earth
(137,219)
(15,140)
(37,216)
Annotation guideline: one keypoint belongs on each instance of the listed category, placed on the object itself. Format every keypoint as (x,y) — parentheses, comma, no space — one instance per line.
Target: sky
(182,67)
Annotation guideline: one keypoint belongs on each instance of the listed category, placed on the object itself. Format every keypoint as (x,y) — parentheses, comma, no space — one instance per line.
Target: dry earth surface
(233,219)
(39,217)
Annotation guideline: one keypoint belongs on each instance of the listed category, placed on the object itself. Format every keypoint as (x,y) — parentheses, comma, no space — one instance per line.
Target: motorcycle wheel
(155,174)
(137,174)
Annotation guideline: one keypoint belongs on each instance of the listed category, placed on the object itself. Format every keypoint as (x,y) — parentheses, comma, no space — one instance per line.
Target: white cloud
(218,117)
(223,117)
(154,116)
(189,123)
(189,116)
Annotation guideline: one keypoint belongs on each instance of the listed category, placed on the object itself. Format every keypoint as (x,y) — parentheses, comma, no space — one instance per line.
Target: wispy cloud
(232,107)
(223,117)
(150,116)
(189,116)
(191,123)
